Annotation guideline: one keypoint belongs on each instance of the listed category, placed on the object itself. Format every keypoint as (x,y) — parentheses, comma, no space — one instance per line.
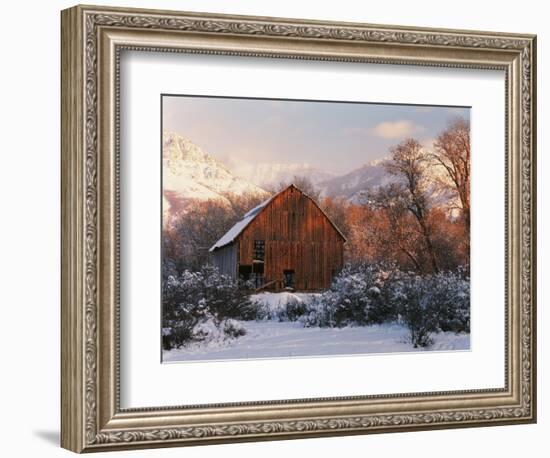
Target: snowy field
(273,339)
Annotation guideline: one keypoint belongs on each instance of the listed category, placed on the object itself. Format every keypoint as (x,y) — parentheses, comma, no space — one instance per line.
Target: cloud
(396,129)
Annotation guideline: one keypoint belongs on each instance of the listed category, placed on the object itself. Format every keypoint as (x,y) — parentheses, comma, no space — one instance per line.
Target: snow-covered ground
(272,339)
(276,303)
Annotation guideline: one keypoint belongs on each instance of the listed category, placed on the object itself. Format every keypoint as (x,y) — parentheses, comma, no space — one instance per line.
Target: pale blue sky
(333,136)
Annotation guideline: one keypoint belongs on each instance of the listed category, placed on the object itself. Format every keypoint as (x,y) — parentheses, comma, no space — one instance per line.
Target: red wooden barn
(285,242)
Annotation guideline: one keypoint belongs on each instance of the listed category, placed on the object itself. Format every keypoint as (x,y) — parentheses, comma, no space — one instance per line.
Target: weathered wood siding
(225,259)
(298,236)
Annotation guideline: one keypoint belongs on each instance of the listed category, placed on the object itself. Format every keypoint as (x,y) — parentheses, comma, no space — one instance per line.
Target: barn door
(244,272)
(288,278)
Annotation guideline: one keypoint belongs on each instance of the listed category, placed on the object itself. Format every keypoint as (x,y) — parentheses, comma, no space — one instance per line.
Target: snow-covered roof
(239,226)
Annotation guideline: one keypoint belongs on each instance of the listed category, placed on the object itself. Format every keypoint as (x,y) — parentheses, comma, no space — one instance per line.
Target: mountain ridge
(190,173)
(268,175)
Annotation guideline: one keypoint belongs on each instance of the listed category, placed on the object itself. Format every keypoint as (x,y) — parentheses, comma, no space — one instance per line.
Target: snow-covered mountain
(269,175)
(190,173)
(369,176)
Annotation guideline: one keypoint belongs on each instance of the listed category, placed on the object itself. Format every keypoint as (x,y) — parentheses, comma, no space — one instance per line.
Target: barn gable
(241,225)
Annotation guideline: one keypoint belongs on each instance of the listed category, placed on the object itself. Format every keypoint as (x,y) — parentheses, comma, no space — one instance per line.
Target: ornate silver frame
(92,39)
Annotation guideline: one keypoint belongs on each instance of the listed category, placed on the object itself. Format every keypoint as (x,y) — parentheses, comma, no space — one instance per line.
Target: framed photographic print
(277,246)
(268,222)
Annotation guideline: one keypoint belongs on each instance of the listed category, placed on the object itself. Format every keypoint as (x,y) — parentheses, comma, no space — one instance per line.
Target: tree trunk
(429,246)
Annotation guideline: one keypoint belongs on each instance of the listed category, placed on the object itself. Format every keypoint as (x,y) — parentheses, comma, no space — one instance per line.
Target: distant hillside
(369,176)
(373,175)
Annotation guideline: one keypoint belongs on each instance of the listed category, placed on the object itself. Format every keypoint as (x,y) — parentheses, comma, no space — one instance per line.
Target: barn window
(259,250)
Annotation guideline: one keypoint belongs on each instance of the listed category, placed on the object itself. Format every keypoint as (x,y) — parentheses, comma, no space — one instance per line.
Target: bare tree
(187,239)
(192,233)
(240,204)
(452,152)
(304,184)
(408,163)
(397,238)
(336,209)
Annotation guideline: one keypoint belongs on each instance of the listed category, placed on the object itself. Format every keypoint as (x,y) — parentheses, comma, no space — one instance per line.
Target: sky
(337,137)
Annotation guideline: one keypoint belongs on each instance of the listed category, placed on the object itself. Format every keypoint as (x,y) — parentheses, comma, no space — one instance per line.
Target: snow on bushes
(283,306)
(201,306)
(212,330)
(417,309)
(357,296)
(433,303)
(205,306)
(452,290)
(368,294)
(233,328)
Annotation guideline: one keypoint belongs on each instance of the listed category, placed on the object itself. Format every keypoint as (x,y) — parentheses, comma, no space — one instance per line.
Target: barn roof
(239,226)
